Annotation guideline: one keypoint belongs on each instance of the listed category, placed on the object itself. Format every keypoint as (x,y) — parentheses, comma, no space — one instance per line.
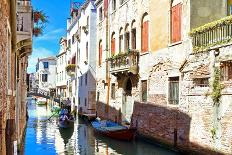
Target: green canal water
(46,138)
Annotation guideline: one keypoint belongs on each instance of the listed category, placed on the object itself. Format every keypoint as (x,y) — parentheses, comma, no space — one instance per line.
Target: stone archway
(127,100)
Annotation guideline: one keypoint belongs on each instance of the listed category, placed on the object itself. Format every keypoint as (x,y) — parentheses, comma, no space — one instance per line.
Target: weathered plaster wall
(205,11)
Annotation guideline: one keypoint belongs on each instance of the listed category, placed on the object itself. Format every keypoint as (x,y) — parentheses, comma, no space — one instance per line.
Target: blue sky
(48,44)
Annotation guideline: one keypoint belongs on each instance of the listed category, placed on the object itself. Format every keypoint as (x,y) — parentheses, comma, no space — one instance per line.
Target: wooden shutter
(176,23)
(113,46)
(145,33)
(100,54)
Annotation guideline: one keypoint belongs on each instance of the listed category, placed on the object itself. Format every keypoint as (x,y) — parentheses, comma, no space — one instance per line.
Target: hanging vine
(40,20)
(217,87)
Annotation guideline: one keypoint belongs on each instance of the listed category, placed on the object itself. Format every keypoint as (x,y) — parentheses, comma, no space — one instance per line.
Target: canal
(43,137)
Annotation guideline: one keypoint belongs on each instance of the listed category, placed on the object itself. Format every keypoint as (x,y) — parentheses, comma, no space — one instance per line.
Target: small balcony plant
(40,19)
(70,69)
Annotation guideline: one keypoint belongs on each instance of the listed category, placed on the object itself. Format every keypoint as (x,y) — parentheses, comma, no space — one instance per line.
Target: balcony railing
(125,62)
(212,34)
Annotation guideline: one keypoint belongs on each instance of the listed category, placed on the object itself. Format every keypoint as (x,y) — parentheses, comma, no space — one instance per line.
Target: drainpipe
(107,55)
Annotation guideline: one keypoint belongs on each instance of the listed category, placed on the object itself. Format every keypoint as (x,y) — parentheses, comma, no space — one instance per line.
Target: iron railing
(212,34)
(124,61)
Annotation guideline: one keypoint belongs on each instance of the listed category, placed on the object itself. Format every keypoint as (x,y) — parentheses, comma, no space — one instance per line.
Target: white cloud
(50,35)
(39,52)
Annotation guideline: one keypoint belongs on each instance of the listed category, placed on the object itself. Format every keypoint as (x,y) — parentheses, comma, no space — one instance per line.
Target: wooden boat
(113,130)
(66,122)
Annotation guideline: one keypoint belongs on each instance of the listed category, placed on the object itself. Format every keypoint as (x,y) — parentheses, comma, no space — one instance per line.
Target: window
(73,60)
(81,80)
(44,77)
(87,51)
(113,91)
(144,91)
(45,64)
(173,90)
(145,33)
(113,5)
(69,43)
(85,101)
(73,39)
(113,44)
(226,70)
(202,82)
(176,23)
(133,38)
(120,41)
(100,53)
(86,79)
(100,14)
(87,24)
(127,41)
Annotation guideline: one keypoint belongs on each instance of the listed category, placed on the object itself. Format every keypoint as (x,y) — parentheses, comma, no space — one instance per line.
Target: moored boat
(41,101)
(113,130)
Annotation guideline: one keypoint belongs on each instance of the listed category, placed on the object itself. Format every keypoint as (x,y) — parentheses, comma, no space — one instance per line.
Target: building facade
(46,73)
(7,78)
(143,54)
(61,74)
(24,49)
(82,37)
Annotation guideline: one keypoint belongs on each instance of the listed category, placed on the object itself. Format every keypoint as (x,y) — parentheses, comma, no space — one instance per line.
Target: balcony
(211,35)
(124,62)
(70,69)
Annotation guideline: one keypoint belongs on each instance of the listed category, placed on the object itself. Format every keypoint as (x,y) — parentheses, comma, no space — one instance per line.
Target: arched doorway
(127,101)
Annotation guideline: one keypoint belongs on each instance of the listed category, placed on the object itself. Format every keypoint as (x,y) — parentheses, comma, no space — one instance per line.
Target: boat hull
(126,134)
(113,130)
(66,123)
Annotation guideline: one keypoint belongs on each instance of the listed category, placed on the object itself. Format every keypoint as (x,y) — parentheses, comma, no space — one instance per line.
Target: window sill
(144,53)
(173,105)
(176,43)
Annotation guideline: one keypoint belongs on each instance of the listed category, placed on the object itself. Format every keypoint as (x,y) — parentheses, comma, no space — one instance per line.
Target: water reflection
(44,137)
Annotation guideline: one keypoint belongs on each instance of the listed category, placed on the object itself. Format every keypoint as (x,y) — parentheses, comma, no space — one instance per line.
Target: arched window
(133,35)
(145,33)
(113,44)
(120,40)
(127,38)
(100,52)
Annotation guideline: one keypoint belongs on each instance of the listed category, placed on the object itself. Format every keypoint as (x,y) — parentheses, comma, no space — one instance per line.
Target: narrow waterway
(43,137)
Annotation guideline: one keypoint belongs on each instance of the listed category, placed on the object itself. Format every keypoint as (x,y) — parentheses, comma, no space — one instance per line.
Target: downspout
(107,62)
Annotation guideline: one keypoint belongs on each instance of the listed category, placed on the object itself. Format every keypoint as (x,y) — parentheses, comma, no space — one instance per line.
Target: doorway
(127,101)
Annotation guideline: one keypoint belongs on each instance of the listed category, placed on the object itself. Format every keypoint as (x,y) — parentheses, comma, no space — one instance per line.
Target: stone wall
(7,99)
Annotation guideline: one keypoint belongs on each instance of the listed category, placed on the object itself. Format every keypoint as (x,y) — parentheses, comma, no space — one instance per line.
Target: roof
(47,58)
(200,72)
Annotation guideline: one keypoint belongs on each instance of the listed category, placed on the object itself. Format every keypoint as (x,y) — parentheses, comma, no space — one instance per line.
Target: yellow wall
(159,16)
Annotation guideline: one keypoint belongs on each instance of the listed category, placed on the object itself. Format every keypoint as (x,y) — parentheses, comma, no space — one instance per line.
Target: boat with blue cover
(113,130)
(66,120)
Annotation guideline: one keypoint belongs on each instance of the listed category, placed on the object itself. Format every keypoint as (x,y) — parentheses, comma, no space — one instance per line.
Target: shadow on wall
(166,125)
(86,103)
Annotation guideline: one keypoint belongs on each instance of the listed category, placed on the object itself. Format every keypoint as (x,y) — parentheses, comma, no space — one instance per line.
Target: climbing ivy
(217,87)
